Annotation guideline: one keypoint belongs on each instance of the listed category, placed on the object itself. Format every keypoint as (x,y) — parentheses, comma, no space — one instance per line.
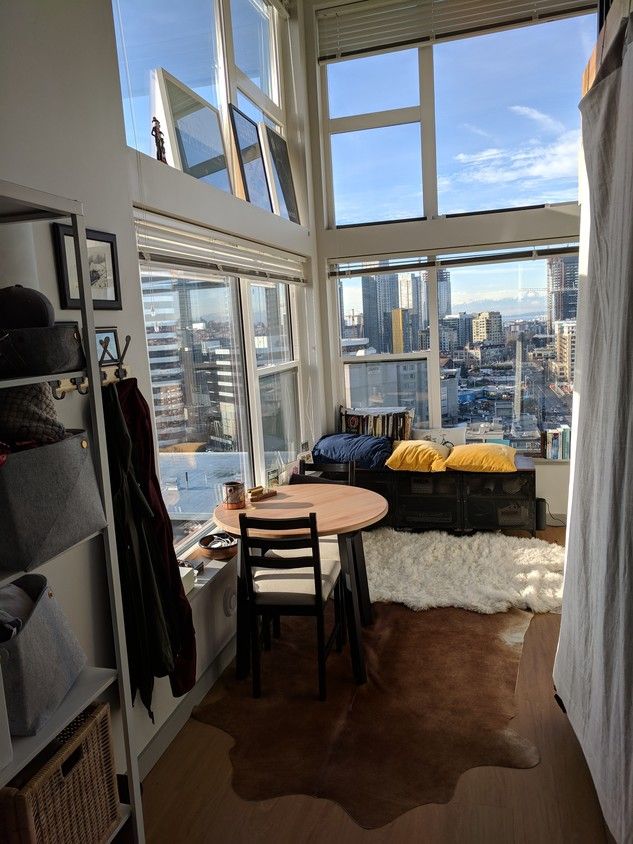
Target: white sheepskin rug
(485,572)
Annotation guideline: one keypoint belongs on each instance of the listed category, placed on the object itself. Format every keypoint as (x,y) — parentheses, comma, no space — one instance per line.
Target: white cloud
(531,165)
(547,123)
(476,130)
(478,157)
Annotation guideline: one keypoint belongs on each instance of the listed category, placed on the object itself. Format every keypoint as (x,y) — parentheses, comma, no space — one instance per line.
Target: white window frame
(430,355)
(236,79)
(422,114)
(255,373)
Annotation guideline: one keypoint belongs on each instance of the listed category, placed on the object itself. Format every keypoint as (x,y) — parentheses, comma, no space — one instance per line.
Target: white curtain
(594,665)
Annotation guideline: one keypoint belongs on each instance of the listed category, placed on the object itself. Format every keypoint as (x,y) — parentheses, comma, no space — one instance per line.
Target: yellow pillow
(482,457)
(418,456)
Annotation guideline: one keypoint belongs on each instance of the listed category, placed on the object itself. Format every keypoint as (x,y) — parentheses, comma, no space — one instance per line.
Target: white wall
(552,484)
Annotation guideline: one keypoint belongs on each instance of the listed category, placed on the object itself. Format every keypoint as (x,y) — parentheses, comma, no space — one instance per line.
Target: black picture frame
(280,162)
(113,355)
(251,158)
(104,270)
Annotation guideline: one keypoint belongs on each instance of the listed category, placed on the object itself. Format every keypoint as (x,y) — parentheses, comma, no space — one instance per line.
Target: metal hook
(82,385)
(128,340)
(56,390)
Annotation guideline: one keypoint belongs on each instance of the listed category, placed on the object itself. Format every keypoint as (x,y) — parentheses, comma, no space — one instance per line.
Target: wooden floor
(188,795)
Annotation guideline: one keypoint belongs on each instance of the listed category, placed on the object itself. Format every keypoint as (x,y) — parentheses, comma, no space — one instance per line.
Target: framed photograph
(194,141)
(103,268)
(108,346)
(278,163)
(251,158)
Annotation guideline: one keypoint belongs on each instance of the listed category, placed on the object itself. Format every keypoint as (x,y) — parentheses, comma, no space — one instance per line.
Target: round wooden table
(340,510)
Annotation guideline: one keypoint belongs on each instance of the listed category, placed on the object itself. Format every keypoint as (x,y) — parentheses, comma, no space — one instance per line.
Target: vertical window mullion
(435,399)
(257,433)
(427,117)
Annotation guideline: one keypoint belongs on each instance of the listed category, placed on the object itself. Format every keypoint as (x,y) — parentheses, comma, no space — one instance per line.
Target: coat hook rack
(111,368)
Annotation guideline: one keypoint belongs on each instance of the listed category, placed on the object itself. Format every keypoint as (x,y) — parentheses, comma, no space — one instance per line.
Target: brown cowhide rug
(438,701)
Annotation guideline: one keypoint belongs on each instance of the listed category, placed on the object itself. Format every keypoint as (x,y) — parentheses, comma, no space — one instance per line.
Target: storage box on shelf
(20,204)
(69,792)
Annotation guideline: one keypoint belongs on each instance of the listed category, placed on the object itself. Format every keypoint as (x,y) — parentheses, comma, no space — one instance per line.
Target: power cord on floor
(557,521)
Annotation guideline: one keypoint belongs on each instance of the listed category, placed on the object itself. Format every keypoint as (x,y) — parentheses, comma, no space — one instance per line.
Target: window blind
(363,26)
(175,243)
(354,269)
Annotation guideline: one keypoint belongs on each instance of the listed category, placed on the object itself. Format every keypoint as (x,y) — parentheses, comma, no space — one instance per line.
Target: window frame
(477,255)
(422,114)
(236,79)
(255,373)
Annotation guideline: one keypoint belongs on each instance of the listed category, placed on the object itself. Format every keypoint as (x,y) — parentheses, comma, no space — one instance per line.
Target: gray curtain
(594,665)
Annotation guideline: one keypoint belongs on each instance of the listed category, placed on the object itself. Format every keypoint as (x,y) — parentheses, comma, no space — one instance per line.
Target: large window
(198,388)
(179,37)
(472,124)
(384,334)
(183,63)
(508,348)
(486,341)
(375,138)
(225,373)
(507,117)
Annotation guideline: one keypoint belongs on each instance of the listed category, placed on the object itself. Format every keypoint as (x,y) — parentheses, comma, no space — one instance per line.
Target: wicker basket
(72,798)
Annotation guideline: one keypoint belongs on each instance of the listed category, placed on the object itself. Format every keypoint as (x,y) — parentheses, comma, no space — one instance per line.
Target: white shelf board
(125,812)
(41,379)
(91,683)
(21,204)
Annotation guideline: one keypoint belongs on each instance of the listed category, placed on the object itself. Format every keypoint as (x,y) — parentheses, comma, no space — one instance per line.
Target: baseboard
(179,717)
(557,519)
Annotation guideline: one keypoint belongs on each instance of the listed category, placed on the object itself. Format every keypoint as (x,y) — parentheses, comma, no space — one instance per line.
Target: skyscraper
(562,289)
(444,306)
(381,295)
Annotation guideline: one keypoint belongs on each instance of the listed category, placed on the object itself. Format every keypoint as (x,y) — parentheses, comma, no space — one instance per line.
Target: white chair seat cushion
(296,586)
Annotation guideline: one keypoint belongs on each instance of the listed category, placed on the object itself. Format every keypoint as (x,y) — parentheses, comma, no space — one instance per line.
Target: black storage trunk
(457,501)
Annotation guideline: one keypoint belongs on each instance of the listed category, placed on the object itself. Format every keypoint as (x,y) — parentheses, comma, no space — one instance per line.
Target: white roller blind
(175,243)
(362,26)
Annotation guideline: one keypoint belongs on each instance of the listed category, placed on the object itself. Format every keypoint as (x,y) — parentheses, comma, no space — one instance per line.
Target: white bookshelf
(19,204)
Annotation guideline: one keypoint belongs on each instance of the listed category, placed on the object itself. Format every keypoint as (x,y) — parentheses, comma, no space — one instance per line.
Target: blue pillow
(367,452)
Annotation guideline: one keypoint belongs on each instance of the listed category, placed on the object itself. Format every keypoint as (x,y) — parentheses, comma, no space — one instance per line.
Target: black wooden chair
(281,580)
(335,473)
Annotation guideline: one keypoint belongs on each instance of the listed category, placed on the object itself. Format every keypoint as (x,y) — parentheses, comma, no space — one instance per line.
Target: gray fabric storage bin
(40,351)
(49,501)
(39,664)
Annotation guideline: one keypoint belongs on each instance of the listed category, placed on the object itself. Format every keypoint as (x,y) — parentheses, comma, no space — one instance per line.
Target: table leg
(366,614)
(242,636)
(346,551)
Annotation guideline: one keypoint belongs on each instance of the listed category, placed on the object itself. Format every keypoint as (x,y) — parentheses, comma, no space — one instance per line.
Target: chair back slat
(336,473)
(308,541)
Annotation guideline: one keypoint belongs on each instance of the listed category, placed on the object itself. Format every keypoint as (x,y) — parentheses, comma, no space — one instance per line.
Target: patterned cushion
(27,414)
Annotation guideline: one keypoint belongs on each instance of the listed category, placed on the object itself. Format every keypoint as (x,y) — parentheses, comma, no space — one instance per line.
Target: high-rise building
(401,330)
(488,327)
(381,295)
(565,334)
(444,306)
(562,289)
(462,323)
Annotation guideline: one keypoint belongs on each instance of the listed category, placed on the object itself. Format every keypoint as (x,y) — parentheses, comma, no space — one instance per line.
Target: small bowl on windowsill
(218,546)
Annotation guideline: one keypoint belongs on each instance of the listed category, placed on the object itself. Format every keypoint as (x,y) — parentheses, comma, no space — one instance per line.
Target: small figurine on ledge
(159,139)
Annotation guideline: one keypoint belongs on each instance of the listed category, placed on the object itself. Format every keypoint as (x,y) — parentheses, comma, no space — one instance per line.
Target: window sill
(543,461)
